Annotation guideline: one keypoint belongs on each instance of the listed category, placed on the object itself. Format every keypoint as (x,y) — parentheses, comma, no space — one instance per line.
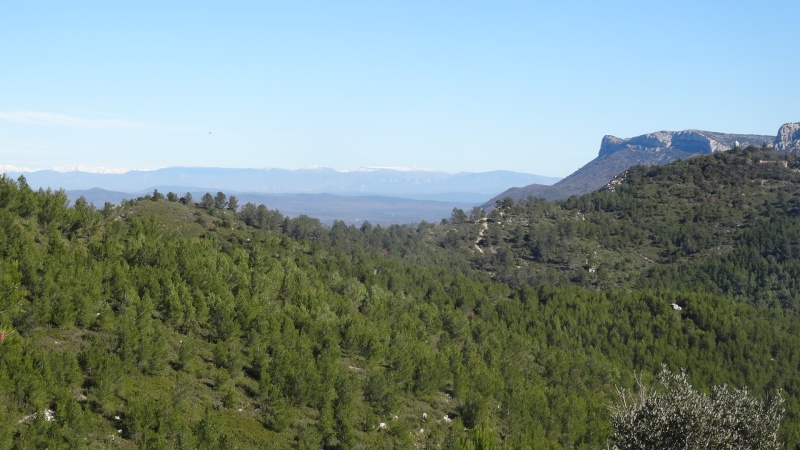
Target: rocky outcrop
(689,141)
(788,139)
(662,147)
(655,141)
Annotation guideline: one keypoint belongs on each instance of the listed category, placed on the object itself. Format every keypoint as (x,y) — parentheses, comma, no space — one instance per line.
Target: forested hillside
(159,324)
(725,224)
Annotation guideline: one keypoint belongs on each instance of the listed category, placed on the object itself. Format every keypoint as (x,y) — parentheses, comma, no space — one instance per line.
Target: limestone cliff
(690,141)
(662,147)
(788,139)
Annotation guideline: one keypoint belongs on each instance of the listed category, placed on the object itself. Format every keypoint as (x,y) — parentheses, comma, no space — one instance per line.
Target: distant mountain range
(386,195)
(405,183)
(617,155)
(378,195)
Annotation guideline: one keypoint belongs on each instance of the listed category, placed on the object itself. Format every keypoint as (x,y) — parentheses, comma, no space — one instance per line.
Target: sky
(456,86)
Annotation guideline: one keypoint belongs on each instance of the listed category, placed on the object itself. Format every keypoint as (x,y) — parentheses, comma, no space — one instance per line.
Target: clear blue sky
(448,85)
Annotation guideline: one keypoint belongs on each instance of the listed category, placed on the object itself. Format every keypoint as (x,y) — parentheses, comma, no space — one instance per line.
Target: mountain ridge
(658,148)
(374,181)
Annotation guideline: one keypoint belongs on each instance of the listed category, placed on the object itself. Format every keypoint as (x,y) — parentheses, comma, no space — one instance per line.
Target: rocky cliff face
(662,147)
(788,139)
(689,141)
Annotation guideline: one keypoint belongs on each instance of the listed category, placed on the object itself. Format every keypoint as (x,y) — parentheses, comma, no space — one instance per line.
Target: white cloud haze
(63,120)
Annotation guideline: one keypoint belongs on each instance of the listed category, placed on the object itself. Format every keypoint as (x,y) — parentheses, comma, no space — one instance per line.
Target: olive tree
(673,415)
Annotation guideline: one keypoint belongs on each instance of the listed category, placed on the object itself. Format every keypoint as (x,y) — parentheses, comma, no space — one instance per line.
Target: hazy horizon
(117,171)
(448,86)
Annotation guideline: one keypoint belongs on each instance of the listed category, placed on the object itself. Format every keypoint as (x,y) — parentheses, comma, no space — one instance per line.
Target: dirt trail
(484,227)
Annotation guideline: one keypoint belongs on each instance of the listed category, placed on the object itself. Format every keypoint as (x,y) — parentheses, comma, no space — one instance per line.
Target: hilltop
(616,155)
(724,223)
(410,183)
(378,195)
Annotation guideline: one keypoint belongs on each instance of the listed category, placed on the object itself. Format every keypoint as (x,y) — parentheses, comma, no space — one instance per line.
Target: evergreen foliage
(167,324)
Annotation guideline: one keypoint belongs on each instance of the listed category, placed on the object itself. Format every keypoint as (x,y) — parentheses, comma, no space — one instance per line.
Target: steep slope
(161,325)
(617,155)
(726,223)
(788,139)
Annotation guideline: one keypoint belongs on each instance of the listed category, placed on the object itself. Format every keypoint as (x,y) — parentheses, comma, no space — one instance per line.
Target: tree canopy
(167,324)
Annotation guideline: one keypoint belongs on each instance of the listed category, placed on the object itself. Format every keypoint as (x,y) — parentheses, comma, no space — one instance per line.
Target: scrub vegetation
(162,323)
